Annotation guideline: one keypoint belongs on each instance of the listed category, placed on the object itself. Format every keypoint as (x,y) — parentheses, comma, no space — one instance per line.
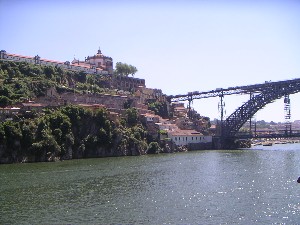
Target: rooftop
(179,132)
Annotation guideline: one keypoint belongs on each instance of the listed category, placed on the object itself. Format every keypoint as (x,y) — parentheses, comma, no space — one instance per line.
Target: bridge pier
(221,106)
(190,100)
(229,143)
(287,115)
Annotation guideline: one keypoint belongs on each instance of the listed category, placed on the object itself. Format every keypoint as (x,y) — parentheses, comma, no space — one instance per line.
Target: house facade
(97,64)
(100,61)
(7,113)
(186,137)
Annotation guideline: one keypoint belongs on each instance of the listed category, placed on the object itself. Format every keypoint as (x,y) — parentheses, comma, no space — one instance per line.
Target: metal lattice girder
(262,94)
(255,88)
(272,92)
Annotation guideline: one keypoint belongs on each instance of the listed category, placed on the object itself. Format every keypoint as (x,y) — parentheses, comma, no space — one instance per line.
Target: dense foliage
(159,108)
(153,148)
(123,69)
(71,132)
(21,80)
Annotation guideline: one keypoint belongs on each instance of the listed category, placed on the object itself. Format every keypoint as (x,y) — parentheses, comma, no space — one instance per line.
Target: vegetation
(123,69)
(159,108)
(23,80)
(153,148)
(68,132)
(71,132)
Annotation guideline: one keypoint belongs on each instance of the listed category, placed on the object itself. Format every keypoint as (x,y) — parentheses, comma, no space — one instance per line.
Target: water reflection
(206,187)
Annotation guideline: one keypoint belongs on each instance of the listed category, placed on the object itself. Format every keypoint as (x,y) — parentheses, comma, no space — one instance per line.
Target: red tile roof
(52,61)
(185,132)
(20,56)
(80,65)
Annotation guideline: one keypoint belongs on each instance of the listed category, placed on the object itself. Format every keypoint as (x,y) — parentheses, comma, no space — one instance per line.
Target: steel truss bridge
(260,96)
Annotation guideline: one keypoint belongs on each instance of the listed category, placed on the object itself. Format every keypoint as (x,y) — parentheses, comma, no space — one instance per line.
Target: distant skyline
(177,46)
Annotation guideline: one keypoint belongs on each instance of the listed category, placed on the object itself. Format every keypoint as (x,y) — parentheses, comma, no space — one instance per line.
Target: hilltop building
(97,64)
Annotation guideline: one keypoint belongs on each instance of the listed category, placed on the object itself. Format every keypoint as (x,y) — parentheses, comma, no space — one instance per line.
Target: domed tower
(101,61)
(3,54)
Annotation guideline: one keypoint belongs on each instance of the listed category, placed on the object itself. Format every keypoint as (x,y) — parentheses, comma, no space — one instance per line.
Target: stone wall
(109,101)
(125,83)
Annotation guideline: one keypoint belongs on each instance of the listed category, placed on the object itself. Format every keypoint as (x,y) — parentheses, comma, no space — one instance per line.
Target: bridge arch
(268,94)
(261,95)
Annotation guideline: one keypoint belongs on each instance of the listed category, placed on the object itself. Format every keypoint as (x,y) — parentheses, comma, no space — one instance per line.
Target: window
(175,138)
(193,138)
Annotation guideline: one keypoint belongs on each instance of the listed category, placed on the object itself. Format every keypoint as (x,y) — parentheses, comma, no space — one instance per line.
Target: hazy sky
(177,46)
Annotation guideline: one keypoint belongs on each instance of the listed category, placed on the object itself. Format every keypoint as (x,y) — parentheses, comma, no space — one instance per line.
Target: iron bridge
(260,96)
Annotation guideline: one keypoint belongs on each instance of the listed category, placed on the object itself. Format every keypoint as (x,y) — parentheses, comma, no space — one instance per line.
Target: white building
(100,61)
(151,117)
(97,64)
(185,137)
(167,126)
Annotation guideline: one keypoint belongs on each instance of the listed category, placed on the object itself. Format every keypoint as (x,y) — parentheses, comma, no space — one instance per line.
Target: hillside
(19,81)
(68,131)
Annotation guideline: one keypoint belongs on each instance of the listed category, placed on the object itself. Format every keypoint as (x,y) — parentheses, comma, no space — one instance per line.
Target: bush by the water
(71,132)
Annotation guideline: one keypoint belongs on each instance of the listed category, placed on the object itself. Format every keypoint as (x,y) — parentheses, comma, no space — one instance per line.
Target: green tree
(76,114)
(5,91)
(11,73)
(2,134)
(61,75)
(80,76)
(91,142)
(28,131)
(13,135)
(103,137)
(4,101)
(49,71)
(159,108)
(123,69)
(132,116)
(48,146)
(45,143)
(2,74)
(153,148)
(101,117)
(133,70)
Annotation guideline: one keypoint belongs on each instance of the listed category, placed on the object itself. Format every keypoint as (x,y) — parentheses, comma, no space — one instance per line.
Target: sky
(178,46)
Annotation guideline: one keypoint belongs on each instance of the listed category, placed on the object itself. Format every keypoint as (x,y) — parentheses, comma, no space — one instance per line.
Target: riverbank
(165,147)
(273,141)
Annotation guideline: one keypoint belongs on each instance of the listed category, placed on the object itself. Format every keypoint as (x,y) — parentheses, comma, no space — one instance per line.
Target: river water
(251,186)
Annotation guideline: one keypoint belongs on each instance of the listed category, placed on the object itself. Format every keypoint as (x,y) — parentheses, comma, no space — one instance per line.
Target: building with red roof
(97,64)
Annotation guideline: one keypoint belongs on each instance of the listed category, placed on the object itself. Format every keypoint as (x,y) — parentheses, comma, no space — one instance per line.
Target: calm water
(256,186)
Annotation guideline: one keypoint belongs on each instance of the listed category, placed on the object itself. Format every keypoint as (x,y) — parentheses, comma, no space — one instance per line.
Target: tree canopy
(22,80)
(71,132)
(124,69)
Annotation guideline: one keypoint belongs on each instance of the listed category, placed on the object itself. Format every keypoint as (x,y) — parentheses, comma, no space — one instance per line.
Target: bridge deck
(255,88)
